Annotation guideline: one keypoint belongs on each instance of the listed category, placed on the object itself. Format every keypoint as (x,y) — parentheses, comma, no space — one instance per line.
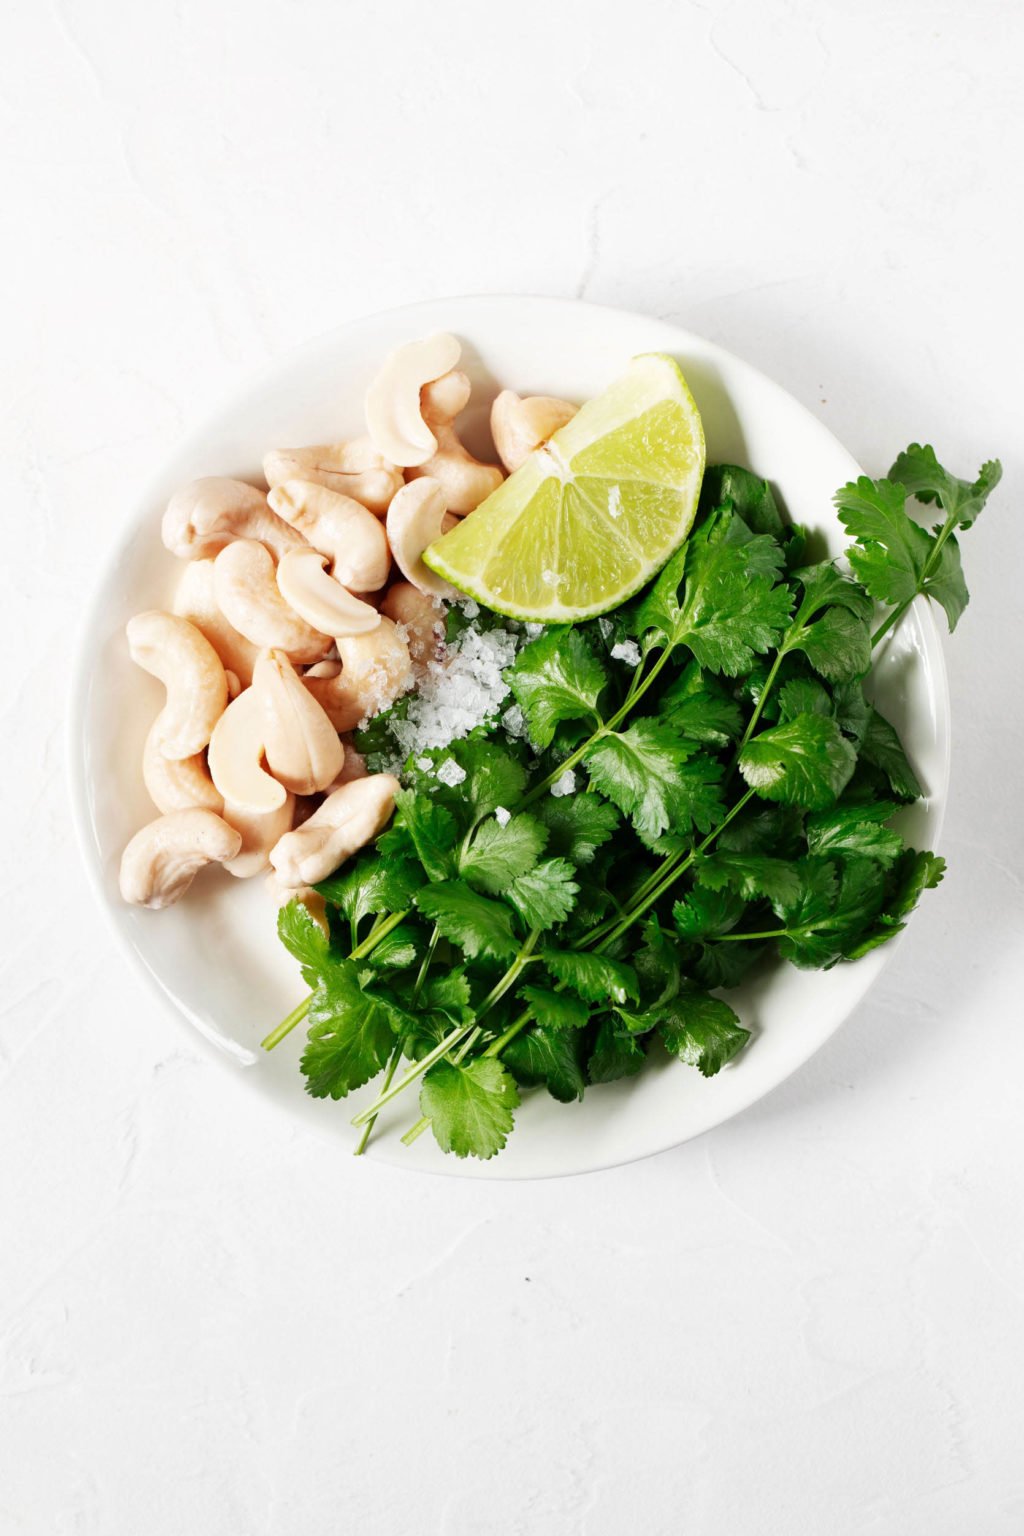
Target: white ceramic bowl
(215,958)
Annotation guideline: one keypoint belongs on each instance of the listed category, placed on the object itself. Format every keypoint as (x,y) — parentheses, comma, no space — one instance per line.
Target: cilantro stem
(287,1024)
(415,1130)
(497,1046)
(399,1050)
(752,723)
(927,571)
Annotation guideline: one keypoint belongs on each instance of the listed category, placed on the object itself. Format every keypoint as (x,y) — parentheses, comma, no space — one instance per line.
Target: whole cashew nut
(396,422)
(259,831)
(196,601)
(419,617)
(519,426)
(302,747)
(355,469)
(160,862)
(340,528)
(186,663)
(415,519)
(177,784)
(346,821)
(236,754)
(245,584)
(465,481)
(375,670)
(207,514)
(316,597)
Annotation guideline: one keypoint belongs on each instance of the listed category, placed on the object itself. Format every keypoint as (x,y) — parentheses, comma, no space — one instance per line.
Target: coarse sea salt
(449,772)
(565,784)
(501,816)
(455,695)
(627,651)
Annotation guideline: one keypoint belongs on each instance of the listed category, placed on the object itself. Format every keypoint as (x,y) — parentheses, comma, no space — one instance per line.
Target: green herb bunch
(734,794)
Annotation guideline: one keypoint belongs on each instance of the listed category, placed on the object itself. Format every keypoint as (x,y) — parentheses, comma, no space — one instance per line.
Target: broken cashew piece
(375,669)
(518,426)
(178,784)
(346,822)
(207,514)
(415,519)
(161,861)
(316,597)
(186,663)
(245,584)
(236,753)
(259,831)
(421,618)
(301,745)
(395,420)
(195,600)
(465,481)
(355,469)
(340,528)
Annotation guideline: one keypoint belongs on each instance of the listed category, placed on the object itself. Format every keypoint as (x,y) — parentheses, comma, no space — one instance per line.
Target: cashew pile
(303,610)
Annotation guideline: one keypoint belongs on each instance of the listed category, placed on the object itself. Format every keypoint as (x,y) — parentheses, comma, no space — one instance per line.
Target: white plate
(215,957)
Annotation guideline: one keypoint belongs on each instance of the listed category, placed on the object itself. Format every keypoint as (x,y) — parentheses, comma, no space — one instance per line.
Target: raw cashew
(346,821)
(375,669)
(396,422)
(340,528)
(180,784)
(421,618)
(355,469)
(519,426)
(302,747)
(328,668)
(465,481)
(186,663)
(316,597)
(245,584)
(415,519)
(160,862)
(236,753)
(259,831)
(196,601)
(207,514)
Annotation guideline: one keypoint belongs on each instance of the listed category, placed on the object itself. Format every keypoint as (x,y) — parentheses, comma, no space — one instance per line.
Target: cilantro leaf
(751,875)
(555,1010)
(830,914)
(596,978)
(494,777)
(556,677)
(892,550)
(350,1037)
(432,830)
(470,1106)
(913,874)
(657,612)
(578,825)
(919,471)
(838,645)
(370,885)
(859,829)
(803,696)
(703,1031)
(881,746)
(497,854)
(729,612)
(826,587)
(303,937)
(805,762)
(396,951)
(544,895)
(481,926)
(656,779)
(549,1057)
(750,496)
(707,913)
(698,707)
(615,1053)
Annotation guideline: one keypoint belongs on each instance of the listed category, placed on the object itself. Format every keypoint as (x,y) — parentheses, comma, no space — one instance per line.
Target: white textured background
(813,1319)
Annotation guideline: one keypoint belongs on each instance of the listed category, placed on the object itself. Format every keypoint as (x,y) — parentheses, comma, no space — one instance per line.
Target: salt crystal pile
(565,784)
(627,651)
(455,695)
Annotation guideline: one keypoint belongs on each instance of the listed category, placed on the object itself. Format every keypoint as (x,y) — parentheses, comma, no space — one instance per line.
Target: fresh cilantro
(556,677)
(616,1053)
(656,778)
(803,696)
(707,913)
(881,747)
(470,1106)
(371,885)
(855,830)
(751,875)
(745,493)
(544,896)
(303,937)
(555,1010)
(396,951)
(494,776)
(549,1058)
(596,978)
(834,907)
(697,706)
(351,1033)
(498,854)
(918,470)
(481,926)
(703,1031)
(577,825)
(913,874)
(805,762)
(432,831)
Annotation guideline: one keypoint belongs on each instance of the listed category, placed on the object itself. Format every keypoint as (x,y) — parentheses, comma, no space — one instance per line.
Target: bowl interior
(215,957)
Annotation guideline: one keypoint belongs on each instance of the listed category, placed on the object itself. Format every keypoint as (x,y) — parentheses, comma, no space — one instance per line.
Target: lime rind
(589,518)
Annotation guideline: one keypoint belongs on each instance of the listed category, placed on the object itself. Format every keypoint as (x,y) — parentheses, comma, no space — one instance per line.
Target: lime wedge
(590,517)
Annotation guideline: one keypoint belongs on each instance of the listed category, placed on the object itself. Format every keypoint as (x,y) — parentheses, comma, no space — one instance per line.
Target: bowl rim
(75,747)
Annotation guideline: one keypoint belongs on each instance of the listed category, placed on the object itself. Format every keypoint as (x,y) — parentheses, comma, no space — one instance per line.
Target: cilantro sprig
(737,796)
